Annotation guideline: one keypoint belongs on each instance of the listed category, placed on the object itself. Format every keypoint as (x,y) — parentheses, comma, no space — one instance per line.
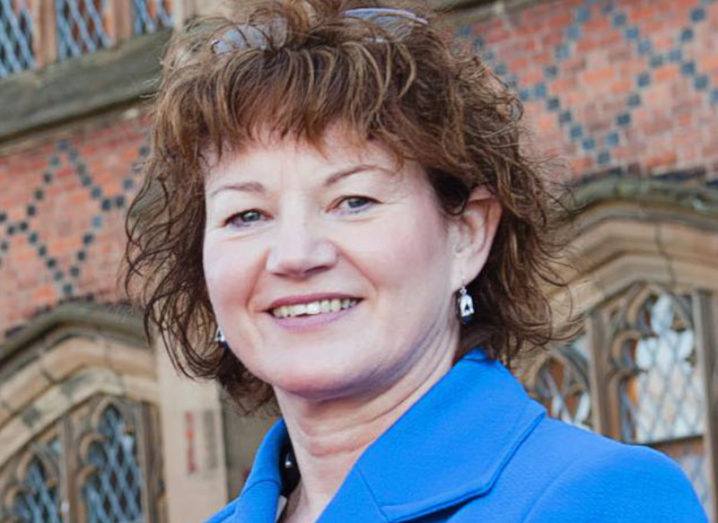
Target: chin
(314,381)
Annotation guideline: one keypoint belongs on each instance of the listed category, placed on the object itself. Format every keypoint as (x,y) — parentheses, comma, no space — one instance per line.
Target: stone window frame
(68,471)
(649,233)
(118,18)
(57,376)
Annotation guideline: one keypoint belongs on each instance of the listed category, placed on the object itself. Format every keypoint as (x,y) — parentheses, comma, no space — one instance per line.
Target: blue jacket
(476,448)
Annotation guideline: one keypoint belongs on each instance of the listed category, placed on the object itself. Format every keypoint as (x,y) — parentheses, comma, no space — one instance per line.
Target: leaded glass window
(657,389)
(112,491)
(638,368)
(36,499)
(559,380)
(151,15)
(16,53)
(82,27)
(660,396)
(98,464)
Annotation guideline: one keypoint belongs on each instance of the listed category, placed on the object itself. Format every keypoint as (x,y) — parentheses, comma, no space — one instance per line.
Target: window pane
(691,457)
(37,500)
(113,492)
(661,398)
(560,382)
(660,390)
(81,27)
(151,15)
(15,37)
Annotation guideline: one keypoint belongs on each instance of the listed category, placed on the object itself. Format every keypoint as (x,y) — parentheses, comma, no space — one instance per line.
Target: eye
(355,204)
(245,218)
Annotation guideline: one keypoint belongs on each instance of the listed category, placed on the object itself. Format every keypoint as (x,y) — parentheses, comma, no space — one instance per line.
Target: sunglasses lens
(385,16)
(241,37)
(396,22)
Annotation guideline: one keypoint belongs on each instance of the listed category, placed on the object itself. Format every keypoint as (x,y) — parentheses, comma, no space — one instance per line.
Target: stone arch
(634,239)
(67,366)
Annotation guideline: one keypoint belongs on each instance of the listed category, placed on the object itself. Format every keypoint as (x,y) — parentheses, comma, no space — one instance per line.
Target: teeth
(313,308)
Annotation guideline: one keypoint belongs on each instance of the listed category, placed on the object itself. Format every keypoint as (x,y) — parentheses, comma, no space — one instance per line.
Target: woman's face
(331,274)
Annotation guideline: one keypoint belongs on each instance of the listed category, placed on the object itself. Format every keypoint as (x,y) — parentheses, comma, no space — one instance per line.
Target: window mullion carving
(598,372)
(653,376)
(121,27)
(47,33)
(558,379)
(30,484)
(111,479)
(150,462)
(142,456)
(67,458)
(705,311)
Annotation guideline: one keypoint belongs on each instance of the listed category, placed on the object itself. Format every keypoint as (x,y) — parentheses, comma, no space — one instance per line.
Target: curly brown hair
(417,93)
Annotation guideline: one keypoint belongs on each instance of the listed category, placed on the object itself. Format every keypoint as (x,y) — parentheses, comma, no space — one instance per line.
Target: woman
(342,197)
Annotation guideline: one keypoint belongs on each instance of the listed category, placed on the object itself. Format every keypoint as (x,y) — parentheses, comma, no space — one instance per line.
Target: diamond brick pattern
(602,77)
(62,228)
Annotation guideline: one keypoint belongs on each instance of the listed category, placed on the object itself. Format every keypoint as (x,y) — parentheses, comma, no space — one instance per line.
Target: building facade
(94,423)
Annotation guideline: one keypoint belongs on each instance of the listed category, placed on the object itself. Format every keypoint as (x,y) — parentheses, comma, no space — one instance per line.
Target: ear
(473,235)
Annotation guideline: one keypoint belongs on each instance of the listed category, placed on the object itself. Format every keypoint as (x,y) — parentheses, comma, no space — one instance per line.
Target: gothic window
(112,491)
(559,380)
(16,52)
(81,27)
(36,498)
(105,472)
(642,359)
(660,390)
(34,33)
(657,389)
(151,15)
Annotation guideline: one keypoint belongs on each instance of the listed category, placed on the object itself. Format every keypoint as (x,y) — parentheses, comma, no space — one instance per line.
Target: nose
(300,250)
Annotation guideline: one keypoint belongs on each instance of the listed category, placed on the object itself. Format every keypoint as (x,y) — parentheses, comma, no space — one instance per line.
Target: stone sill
(34,100)
(117,321)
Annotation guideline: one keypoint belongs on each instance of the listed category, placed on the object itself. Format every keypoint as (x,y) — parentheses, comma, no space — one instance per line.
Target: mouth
(313,308)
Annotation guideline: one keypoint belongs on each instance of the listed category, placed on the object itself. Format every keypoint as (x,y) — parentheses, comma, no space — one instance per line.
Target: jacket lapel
(449,447)
(258,501)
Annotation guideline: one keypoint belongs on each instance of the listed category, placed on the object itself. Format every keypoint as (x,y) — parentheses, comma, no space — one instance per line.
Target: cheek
(408,252)
(228,274)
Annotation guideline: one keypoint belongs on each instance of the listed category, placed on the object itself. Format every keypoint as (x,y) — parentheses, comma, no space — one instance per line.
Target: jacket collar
(450,446)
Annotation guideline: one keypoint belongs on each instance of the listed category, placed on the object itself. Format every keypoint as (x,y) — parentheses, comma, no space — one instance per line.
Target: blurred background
(94,423)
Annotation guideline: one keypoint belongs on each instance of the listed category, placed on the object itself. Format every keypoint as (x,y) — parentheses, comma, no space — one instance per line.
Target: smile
(313,308)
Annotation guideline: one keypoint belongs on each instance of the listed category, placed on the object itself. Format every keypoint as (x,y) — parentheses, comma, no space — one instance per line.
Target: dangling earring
(220,340)
(465,306)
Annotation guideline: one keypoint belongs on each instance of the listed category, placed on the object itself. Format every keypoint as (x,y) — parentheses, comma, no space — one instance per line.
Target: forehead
(270,153)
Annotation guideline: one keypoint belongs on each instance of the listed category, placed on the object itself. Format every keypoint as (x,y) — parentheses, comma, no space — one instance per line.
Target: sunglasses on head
(396,22)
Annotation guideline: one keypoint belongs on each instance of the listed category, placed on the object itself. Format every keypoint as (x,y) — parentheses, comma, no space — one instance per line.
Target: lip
(306,298)
(298,324)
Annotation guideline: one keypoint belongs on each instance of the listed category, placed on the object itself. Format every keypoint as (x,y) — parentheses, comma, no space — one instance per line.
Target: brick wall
(630,84)
(62,208)
(613,83)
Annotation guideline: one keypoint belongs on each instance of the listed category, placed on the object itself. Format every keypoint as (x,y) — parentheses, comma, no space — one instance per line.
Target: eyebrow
(258,188)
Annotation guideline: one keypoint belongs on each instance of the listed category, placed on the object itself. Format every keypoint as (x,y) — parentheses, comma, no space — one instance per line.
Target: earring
(465,305)
(220,340)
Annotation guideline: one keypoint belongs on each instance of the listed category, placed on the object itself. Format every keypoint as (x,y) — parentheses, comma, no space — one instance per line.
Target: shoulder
(224,515)
(613,481)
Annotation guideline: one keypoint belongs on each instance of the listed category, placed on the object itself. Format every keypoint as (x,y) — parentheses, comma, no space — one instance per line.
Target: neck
(329,436)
